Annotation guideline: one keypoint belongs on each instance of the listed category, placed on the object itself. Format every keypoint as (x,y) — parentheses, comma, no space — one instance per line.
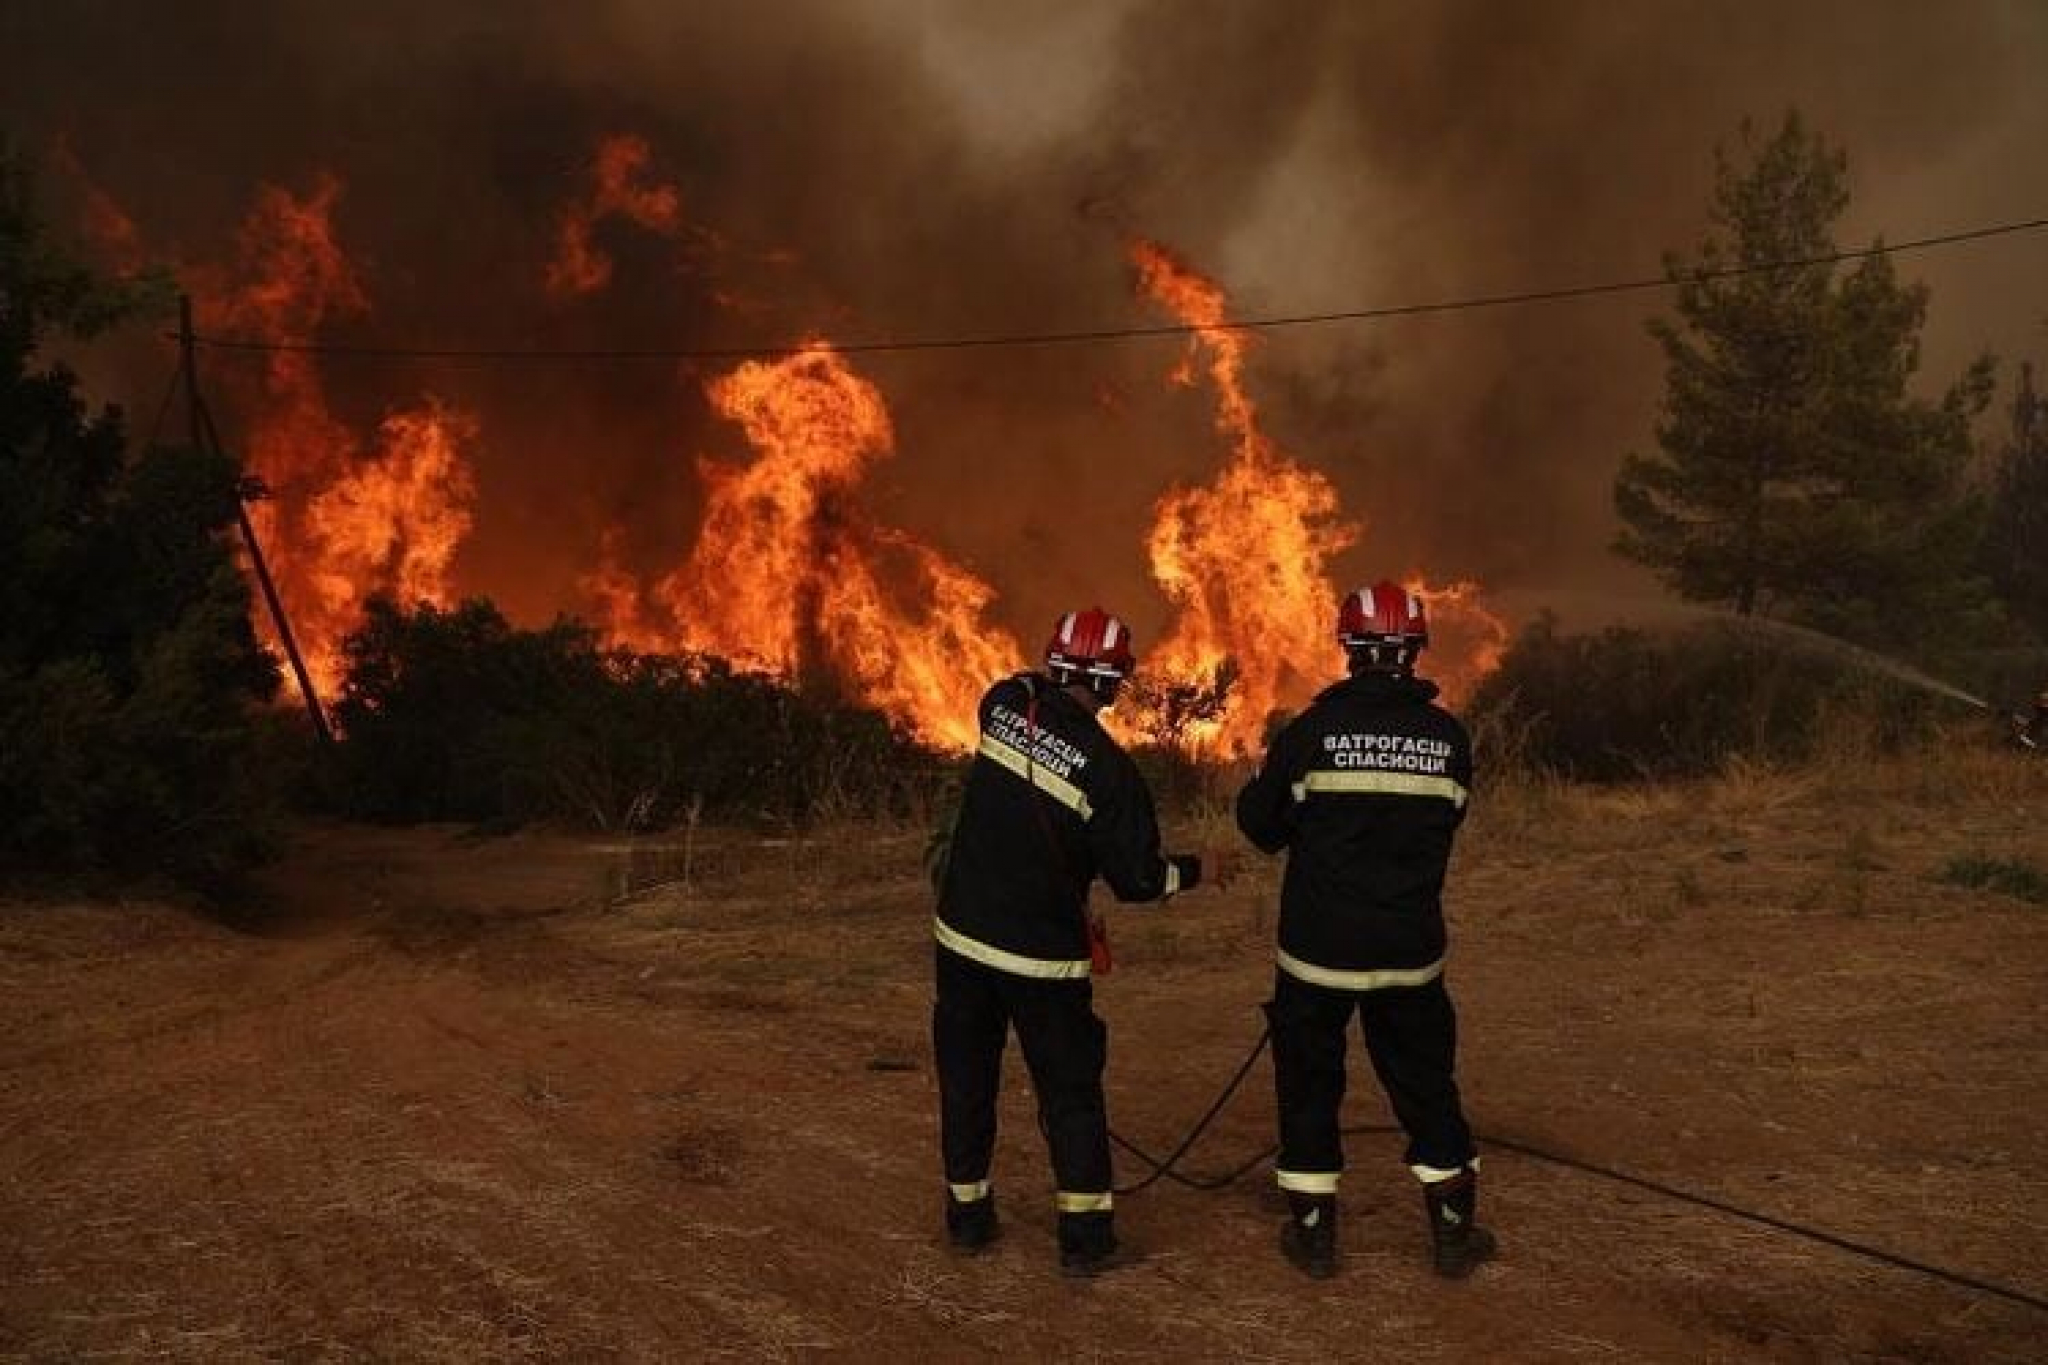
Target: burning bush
(1628,703)
(457,715)
(1168,717)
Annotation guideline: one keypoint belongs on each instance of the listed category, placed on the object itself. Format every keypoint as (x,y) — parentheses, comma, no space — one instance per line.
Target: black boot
(972,1226)
(1089,1246)
(1309,1237)
(1457,1241)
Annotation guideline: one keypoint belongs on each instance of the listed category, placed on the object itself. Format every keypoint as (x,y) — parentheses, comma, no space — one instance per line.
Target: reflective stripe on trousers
(1307,1182)
(1016,964)
(1340,979)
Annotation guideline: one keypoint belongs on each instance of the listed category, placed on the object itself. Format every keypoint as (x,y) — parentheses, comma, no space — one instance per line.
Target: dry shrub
(1748,786)
(458,715)
(1628,704)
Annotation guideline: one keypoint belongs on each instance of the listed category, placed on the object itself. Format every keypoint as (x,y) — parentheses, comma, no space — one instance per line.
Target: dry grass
(2007,876)
(548,1098)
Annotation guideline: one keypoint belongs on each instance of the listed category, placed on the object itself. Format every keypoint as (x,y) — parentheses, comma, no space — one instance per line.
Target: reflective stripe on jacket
(1051,802)
(1365,791)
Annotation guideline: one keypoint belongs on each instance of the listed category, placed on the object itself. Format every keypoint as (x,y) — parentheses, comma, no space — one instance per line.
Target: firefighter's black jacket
(1051,802)
(1365,790)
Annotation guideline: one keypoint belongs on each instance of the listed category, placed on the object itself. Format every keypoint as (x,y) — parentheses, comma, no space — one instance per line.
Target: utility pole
(206,437)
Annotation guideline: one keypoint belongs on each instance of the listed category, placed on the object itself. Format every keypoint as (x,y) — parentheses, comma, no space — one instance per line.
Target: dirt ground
(440,1097)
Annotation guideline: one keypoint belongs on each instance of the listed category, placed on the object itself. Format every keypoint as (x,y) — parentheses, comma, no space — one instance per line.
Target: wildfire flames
(346,519)
(395,520)
(788,572)
(1467,639)
(619,188)
(1245,557)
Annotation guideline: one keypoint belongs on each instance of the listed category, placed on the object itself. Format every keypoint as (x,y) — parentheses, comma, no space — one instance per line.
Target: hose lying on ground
(1167,1170)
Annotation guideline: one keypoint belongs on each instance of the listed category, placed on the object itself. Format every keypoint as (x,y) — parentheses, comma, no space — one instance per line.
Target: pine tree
(2016,542)
(1796,474)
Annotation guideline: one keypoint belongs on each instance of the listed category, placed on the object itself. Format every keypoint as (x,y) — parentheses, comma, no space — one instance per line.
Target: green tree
(130,680)
(1796,474)
(2016,541)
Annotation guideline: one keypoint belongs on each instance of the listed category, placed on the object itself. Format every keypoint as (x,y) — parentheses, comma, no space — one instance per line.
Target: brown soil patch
(558,1098)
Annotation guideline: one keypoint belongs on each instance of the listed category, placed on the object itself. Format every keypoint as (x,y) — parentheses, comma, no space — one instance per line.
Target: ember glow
(1467,639)
(621,186)
(346,518)
(1245,558)
(789,573)
(113,234)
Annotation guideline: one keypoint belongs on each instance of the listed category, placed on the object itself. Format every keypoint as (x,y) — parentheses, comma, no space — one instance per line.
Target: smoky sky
(921,169)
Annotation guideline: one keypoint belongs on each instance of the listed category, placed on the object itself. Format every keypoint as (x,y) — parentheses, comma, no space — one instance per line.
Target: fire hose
(1167,1170)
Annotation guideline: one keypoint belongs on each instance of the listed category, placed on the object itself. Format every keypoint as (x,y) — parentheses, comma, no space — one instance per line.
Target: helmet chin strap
(1398,660)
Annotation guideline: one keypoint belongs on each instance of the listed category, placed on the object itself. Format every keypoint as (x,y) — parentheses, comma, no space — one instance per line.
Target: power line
(1106,334)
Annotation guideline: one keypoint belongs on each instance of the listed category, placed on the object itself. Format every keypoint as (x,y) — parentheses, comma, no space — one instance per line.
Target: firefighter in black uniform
(1050,802)
(2031,732)
(1365,790)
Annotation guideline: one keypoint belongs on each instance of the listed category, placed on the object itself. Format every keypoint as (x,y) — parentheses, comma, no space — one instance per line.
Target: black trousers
(1411,1035)
(1065,1047)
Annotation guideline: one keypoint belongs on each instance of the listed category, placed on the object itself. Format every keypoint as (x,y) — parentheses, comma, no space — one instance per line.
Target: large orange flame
(394,521)
(1245,558)
(790,574)
(771,526)
(342,522)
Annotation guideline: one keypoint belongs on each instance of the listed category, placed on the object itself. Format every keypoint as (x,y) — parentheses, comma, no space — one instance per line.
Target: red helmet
(1090,646)
(1383,625)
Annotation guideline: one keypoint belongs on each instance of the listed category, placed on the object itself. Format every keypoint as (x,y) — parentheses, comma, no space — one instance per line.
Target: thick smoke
(931,168)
